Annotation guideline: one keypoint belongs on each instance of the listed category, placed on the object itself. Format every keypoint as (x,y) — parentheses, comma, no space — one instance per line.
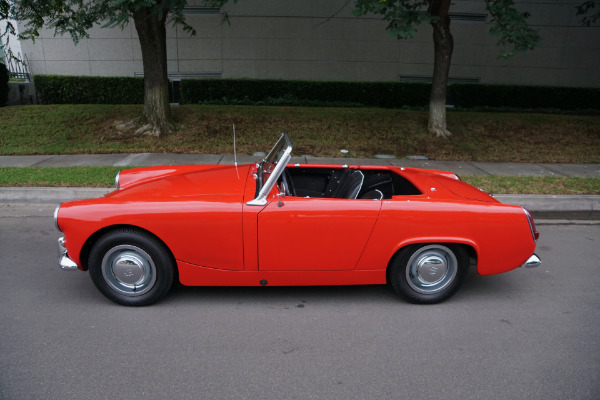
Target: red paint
(200,213)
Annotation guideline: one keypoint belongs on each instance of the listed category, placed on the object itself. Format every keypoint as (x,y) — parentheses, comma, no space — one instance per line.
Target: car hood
(180,181)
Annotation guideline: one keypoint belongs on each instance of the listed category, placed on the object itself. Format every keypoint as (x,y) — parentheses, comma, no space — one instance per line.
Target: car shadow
(282,294)
(474,287)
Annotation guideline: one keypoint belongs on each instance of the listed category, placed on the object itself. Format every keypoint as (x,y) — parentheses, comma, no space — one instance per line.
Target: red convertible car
(279,224)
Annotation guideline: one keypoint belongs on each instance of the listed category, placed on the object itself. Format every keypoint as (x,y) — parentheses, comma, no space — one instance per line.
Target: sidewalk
(152,159)
(542,206)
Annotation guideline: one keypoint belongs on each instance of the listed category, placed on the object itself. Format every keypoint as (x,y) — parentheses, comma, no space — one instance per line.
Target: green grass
(59,176)
(534,184)
(104,177)
(481,136)
(510,137)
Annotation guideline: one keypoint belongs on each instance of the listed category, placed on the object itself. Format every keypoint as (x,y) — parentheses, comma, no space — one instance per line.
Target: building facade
(323,40)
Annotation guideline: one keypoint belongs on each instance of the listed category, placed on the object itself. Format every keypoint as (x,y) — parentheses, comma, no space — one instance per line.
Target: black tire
(131,267)
(428,273)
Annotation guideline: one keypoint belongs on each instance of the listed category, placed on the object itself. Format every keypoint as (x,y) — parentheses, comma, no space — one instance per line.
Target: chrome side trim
(532,262)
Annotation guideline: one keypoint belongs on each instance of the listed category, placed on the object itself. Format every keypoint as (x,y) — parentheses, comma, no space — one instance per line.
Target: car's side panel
(202,231)
(314,234)
(193,275)
(499,233)
(195,210)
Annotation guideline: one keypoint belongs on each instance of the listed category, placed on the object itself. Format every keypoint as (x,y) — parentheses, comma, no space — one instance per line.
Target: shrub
(58,89)
(525,97)
(62,89)
(4,77)
(256,91)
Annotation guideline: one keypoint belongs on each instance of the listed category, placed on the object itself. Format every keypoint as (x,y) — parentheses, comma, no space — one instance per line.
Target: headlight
(56,217)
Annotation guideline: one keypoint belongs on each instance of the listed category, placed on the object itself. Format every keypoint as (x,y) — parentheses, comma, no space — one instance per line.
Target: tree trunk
(443,45)
(156,119)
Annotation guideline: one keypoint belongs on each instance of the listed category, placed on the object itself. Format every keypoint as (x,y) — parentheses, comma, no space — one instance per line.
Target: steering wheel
(288,185)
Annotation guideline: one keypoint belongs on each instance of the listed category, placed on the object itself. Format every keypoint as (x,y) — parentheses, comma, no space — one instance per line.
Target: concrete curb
(581,207)
(153,159)
(584,207)
(44,195)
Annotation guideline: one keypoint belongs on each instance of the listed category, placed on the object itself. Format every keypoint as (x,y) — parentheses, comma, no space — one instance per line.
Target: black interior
(337,183)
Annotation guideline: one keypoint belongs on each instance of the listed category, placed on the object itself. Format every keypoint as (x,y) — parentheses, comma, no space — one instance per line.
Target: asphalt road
(526,334)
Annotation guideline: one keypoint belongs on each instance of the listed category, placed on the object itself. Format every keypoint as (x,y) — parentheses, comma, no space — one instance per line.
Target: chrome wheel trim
(431,269)
(129,270)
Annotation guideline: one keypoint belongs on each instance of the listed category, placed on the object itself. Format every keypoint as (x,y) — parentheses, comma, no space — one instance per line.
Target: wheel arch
(91,241)
(468,245)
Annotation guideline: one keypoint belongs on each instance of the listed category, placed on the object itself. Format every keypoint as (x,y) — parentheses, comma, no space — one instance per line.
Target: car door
(314,234)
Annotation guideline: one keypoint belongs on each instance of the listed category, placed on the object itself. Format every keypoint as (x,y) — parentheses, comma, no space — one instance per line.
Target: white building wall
(317,40)
(9,41)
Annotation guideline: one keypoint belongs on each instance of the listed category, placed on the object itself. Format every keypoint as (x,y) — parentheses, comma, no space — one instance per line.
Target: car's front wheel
(428,273)
(131,267)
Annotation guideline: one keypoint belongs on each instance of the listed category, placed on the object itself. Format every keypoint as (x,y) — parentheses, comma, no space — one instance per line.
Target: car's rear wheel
(428,273)
(131,267)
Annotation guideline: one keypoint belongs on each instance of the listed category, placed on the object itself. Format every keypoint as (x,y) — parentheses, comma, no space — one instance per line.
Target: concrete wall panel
(111,49)
(199,49)
(310,70)
(255,69)
(336,50)
(111,68)
(579,78)
(68,68)
(291,28)
(287,49)
(245,49)
(113,33)
(206,26)
(377,72)
(200,66)
(312,39)
(64,50)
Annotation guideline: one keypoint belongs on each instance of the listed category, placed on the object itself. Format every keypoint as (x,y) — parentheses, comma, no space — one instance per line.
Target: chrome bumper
(66,264)
(532,262)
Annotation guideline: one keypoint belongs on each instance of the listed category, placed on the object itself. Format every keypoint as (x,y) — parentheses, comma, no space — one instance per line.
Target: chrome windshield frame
(283,144)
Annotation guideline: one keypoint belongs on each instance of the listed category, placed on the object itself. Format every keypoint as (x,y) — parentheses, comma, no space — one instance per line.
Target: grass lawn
(513,137)
(509,137)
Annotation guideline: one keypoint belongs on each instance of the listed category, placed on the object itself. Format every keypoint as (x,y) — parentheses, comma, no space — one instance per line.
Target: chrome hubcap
(129,270)
(431,269)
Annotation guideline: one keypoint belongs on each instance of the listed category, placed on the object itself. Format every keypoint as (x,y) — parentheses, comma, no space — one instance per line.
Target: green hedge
(57,89)
(384,94)
(62,89)
(255,91)
(525,97)
(4,77)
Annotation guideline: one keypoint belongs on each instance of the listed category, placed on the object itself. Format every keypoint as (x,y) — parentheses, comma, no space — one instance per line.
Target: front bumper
(66,264)
(532,262)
